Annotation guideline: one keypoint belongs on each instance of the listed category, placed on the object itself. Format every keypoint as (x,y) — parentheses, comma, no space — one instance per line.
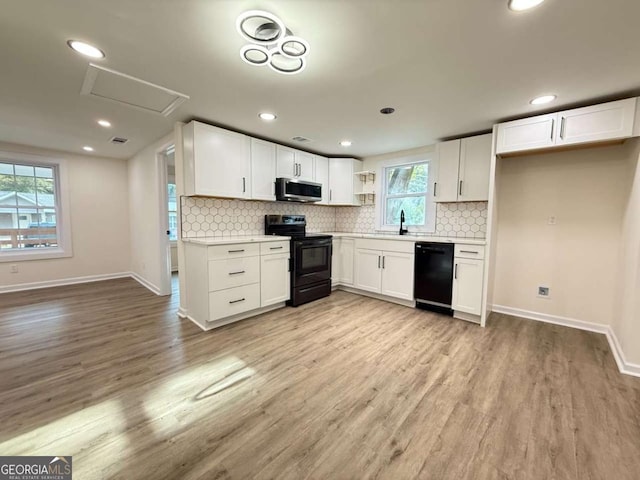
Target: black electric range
(310,257)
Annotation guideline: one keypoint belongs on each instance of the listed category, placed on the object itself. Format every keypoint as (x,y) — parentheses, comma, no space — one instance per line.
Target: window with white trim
(30,209)
(173,212)
(405,188)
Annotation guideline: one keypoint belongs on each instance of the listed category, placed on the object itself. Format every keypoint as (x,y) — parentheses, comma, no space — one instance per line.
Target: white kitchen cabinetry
(347,257)
(468,275)
(263,170)
(217,162)
(342,181)
(322,177)
(597,123)
(386,270)
(336,261)
(229,282)
(461,170)
(293,163)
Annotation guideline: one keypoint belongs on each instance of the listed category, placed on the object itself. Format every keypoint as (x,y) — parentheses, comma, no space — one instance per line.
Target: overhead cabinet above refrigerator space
(613,121)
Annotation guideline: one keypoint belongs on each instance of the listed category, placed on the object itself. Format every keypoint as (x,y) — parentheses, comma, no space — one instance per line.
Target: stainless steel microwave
(289,190)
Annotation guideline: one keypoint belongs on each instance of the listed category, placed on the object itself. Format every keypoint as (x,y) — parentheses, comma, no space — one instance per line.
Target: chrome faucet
(402,230)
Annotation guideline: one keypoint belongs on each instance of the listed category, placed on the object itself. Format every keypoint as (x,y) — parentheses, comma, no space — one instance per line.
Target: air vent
(301,139)
(119,140)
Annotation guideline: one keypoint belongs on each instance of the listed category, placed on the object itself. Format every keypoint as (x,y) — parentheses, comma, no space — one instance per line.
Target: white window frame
(381,194)
(172,180)
(63,207)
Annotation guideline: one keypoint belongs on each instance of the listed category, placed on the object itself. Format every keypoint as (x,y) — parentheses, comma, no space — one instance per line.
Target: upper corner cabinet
(342,181)
(612,121)
(217,162)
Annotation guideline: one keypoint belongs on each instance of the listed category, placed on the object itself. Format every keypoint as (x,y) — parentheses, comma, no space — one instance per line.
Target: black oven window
(313,257)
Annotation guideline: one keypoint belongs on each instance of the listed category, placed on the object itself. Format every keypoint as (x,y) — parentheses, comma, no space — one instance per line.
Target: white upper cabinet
(596,123)
(608,121)
(293,163)
(527,134)
(322,176)
(263,170)
(445,178)
(342,181)
(461,170)
(217,162)
(475,168)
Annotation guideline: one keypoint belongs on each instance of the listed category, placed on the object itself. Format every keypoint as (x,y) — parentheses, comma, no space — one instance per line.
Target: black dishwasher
(434,276)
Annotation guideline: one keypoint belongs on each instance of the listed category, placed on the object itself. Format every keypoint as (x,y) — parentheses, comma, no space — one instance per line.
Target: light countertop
(410,238)
(235,239)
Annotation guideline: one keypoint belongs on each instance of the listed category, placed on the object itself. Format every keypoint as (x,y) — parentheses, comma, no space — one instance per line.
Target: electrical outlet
(13,268)
(552,220)
(544,292)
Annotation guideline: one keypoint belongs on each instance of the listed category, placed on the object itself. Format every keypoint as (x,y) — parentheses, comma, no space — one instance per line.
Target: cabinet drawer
(468,251)
(233,272)
(234,250)
(233,301)
(268,248)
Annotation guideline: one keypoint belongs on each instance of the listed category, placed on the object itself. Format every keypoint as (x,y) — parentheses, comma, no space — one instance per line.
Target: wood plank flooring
(344,388)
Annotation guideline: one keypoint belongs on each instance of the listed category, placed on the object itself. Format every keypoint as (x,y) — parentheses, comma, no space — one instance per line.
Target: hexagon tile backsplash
(215,217)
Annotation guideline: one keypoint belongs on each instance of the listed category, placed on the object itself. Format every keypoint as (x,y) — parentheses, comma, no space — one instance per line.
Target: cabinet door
(285,161)
(397,275)
(467,285)
(527,134)
(341,180)
(305,166)
(274,279)
(263,170)
(347,258)
(322,177)
(445,184)
(368,270)
(336,257)
(475,166)
(608,121)
(222,162)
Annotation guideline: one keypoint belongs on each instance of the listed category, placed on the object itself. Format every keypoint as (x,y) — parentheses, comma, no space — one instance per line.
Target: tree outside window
(406,188)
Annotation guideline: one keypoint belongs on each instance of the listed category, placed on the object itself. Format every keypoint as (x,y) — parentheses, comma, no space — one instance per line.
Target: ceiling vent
(119,140)
(118,87)
(301,139)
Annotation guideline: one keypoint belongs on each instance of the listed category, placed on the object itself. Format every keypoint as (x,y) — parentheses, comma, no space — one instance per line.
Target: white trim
(62,282)
(624,366)
(164,242)
(377,296)
(145,283)
(234,318)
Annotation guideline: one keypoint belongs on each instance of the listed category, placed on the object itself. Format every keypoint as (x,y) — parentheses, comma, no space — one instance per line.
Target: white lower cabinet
(336,261)
(347,257)
(383,272)
(274,279)
(233,301)
(467,285)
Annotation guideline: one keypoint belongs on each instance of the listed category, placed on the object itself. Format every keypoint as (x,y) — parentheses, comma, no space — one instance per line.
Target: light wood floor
(346,387)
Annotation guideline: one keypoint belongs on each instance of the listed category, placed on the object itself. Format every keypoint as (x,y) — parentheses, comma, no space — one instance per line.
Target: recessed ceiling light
(104,123)
(86,49)
(345,143)
(87,148)
(520,5)
(267,116)
(543,99)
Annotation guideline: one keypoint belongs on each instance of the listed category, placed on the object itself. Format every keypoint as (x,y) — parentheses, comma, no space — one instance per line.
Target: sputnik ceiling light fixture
(271,43)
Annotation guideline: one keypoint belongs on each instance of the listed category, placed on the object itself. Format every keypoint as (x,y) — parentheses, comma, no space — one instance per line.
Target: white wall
(98,191)
(144,212)
(586,190)
(626,324)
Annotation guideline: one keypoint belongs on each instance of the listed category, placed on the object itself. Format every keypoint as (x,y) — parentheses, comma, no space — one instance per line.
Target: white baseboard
(62,282)
(145,283)
(623,365)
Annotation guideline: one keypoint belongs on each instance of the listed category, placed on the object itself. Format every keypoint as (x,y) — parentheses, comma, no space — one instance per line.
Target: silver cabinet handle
(237,301)
(244,184)
(562,122)
(460,189)
(235,251)
(378,261)
(455,272)
(435,189)
(330,194)
(383,261)
(468,251)
(553,124)
(236,273)
(276,248)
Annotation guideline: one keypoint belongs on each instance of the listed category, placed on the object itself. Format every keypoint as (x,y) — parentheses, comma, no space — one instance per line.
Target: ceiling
(448,67)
